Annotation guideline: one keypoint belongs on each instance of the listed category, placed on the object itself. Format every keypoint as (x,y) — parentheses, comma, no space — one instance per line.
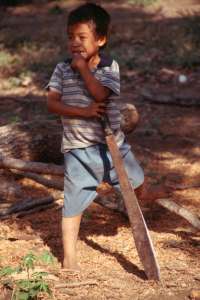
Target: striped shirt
(80,132)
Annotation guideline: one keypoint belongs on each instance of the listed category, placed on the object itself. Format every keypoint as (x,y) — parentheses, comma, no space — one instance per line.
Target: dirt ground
(166,142)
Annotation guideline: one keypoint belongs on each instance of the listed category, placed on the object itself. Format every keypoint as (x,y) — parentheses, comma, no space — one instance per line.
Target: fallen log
(51,183)
(34,210)
(113,200)
(37,167)
(192,218)
(184,96)
(25,205)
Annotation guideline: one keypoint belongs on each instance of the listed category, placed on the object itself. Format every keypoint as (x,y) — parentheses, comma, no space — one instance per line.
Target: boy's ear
(102,41)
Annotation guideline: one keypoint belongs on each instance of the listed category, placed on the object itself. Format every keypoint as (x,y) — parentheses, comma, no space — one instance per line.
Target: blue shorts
(86,168)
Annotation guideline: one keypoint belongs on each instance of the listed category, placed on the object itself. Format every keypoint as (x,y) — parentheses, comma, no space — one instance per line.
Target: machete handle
(106,125)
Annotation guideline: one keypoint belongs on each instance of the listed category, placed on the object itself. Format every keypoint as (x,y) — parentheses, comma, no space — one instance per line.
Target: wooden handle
(106,125)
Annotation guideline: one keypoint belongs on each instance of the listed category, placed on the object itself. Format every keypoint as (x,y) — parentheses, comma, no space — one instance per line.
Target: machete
(141,235)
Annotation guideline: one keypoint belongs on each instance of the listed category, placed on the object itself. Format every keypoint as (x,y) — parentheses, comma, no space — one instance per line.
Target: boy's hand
(95,109)
(78,62)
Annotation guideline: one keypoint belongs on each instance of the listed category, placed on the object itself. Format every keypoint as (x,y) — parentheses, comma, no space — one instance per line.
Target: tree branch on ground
(51,183)
(36,167)
(25,205)
(192,218)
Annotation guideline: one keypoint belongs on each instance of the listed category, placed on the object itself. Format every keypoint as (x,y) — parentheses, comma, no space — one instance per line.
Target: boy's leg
(70,230)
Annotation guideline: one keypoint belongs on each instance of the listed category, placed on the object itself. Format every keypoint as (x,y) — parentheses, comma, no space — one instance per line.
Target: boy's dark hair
(91,12)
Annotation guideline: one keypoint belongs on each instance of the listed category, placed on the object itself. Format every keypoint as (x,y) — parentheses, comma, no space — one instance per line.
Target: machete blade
(141,234)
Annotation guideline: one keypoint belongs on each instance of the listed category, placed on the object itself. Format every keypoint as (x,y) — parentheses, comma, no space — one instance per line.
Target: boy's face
(84,41)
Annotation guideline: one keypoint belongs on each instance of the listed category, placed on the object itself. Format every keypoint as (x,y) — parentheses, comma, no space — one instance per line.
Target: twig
(69,292)
(75,284)
(183,186)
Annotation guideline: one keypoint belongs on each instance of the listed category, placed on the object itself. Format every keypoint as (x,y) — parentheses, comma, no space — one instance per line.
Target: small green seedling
(34,284)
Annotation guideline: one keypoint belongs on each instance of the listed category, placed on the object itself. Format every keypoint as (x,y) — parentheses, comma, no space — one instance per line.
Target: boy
(81,90)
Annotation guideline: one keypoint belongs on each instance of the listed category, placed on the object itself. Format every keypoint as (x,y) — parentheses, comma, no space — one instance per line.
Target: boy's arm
(56,106)
(99,92)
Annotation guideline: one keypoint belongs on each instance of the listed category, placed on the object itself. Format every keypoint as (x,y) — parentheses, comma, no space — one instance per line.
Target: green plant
(5,58)
(14,82)
(28,263)
(14,119)
(30,287)
(47,258)
(87,215)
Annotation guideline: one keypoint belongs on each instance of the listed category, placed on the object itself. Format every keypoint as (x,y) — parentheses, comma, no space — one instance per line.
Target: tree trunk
(181,96)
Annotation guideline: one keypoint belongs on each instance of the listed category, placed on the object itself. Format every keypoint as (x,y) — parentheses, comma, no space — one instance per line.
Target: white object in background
(182,78)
